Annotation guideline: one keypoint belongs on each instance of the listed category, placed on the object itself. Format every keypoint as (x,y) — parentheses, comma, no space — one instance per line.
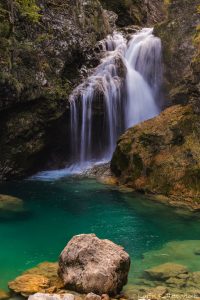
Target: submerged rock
(165,271)
(4,295)
(10,204)
(88,264)
(43,278)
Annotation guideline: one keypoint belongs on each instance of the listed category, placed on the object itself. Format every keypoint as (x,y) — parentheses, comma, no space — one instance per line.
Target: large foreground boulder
(88,264)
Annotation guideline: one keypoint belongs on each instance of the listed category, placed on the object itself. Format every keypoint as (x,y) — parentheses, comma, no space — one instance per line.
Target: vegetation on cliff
(43,45)
(161,156)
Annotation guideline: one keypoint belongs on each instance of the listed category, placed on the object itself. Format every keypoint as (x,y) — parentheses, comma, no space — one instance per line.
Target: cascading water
(122,91)
(125,87)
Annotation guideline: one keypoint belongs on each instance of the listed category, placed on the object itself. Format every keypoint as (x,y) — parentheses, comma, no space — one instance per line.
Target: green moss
(151,141)
(137,166)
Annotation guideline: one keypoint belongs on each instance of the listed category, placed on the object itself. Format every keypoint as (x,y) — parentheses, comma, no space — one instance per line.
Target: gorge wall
(43,47)
(41,53)
(161,156)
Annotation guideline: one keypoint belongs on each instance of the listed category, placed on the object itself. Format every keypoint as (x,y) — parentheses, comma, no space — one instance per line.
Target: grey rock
(40,296)
(92,296)
(89,264)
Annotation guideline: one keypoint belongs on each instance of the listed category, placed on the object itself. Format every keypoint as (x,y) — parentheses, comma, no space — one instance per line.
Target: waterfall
(122,91)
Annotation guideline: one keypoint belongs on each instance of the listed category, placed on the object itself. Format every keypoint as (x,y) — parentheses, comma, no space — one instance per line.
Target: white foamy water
(122,91)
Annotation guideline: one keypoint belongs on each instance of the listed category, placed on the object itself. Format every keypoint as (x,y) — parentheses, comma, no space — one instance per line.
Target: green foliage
(29,9)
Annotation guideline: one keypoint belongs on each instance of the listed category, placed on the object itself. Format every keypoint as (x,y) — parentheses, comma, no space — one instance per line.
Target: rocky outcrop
(40,62)
(162,156)
(88,264)
(138,12)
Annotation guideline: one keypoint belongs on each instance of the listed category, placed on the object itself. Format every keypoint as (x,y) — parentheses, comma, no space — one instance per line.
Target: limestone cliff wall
(162,155)
(39,65)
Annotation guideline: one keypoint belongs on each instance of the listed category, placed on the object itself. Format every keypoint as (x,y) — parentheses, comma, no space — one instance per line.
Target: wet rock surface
(4,295)
(165,271)
(89,264)
(10,204)
(41,279)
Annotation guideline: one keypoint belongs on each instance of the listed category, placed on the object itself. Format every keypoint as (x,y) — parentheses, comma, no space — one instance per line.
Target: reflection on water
(153,234)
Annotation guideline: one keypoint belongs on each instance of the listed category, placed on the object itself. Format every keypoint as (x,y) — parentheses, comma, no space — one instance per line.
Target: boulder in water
(89,264)
(10,203)
(165,271)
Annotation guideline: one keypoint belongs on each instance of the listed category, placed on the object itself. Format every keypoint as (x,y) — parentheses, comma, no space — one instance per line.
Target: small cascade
(123,91)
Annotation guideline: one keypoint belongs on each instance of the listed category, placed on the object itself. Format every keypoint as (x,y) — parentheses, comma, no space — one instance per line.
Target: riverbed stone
(4,295)
(88,264)
(10,203)
(40,279)
(92,296)
(29,284)
(165,271)
(41,296)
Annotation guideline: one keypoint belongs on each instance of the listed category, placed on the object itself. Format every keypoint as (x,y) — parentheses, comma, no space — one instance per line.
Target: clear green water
(55,211)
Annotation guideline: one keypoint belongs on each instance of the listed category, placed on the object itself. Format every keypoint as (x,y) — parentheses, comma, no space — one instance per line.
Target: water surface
(57,210)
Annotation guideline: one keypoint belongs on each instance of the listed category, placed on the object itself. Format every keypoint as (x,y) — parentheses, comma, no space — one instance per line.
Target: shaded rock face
(162,156)
(88,264)
(136,12)
(181,54)
(37,77)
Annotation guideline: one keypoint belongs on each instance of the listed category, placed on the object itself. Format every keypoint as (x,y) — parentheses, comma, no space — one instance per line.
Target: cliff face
(40,62)
(138,12)
(180,35)
(162,155)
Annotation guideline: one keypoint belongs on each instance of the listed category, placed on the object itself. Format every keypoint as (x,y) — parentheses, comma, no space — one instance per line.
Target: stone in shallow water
(4,295)
(10,204)
(88,264)
(41,296)
(42,278)
(165,271)
(157,292)
(29,284)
